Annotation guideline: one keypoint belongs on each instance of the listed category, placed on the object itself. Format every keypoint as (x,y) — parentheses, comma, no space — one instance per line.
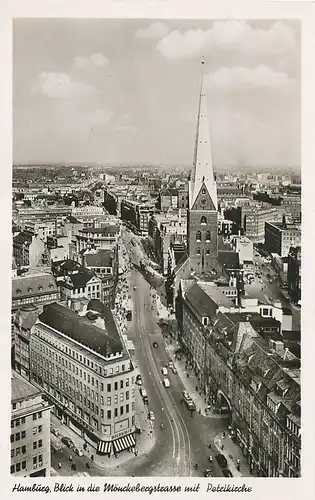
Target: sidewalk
(144,441)
(190,383)
(232,452)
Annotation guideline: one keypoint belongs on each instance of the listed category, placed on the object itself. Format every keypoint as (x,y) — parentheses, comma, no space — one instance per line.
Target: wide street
(184,440)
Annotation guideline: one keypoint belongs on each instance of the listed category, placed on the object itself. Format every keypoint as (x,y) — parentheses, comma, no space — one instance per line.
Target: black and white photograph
(156,248)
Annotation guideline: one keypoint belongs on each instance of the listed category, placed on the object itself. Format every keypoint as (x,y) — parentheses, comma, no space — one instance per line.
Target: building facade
(30,430)
(83,366)
(294,273)
(280,237)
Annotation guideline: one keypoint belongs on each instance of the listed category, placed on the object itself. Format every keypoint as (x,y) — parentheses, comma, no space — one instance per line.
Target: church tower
(202,216)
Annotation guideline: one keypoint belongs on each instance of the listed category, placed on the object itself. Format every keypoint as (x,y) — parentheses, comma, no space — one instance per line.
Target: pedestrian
(59,465)
(222,447)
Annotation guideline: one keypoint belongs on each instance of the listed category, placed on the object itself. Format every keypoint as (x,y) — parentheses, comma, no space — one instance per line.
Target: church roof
(202,172)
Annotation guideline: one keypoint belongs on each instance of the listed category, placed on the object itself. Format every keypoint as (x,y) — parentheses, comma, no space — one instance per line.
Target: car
(146,400)
(67,441)
(138,377)
(55,431)
(185,394)
(207,473)
(135,288)
(151,416)
(155,344)
(221,460)
(190,404)
(227,473)
(170,364)
(270,281)
(143,392)
(174,370)
(164,371)
(139,382)
(78,452)
(166,382)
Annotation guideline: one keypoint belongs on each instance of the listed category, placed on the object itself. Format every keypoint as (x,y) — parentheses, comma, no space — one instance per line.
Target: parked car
(221,460)
(138,377)
(151,416)
(164,371)
(227,473)
(146,400)
(78,452)
(174,370)
(190,404)
(170,364)
(166,382)
(143,392)
(55,431)
(67,441)
(155,344)
(135,288)
(207,473)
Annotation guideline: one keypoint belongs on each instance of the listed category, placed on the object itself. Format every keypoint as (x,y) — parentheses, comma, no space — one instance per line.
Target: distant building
(104,263)
(279,237)
(110,202)
(182,194)
(29,250)
(254,219)
(137,214)
(37,288)
(30,430)
(87,210)
(294,273)
(96,237)
(168,198)
(94,393)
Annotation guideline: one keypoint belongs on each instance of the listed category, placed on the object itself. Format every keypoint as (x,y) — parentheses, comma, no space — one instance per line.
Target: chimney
(284,225)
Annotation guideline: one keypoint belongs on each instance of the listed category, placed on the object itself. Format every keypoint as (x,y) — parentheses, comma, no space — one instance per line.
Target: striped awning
(104,447)
(124,443)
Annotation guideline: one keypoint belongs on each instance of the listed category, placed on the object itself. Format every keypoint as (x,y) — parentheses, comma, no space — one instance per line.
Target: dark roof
(229,259)
(73,220)
(81,278)
(200,301)
(21,388)
(101,230)
(63,267)
(80,329)
(30,285)
(23,237)
(103,258)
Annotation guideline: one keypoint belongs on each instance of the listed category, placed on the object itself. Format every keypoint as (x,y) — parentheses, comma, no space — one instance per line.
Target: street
(184,440)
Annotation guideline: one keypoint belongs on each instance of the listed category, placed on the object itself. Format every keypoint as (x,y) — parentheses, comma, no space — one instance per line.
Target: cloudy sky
(126,91)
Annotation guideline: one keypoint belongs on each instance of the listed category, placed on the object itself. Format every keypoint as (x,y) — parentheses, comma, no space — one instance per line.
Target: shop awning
(104,447)
(124,443)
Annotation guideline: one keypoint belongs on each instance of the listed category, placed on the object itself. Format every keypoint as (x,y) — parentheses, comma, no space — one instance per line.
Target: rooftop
(80,329)
(22,388)
(33,284)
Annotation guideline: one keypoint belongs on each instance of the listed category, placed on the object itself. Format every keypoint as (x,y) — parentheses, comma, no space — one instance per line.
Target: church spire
(202,171)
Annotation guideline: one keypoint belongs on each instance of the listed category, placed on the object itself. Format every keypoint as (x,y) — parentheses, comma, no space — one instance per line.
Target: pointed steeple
(202,171)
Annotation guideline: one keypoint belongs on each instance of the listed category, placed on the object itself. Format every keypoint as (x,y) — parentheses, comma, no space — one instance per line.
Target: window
(116,386)
(40,443)
(127,394)
(121,410)
(40,427)
(116,412)
(18,451)
(23,449)
(109,401)
(17,436)
(102,386)
(23,434)
(121,397)
(24,464)
(127,408)
(12,469)
(109,387)
(198,236)
(203,220)
(116,398)
(18,467)
(208,252)
(109,414)
(208,236)
(121,384)
(127,382)
(198,251)
(34,445)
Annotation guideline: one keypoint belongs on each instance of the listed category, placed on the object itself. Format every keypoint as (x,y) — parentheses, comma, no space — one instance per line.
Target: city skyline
(112,91)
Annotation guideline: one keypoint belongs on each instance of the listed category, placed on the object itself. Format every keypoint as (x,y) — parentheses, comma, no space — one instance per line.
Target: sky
(126,91)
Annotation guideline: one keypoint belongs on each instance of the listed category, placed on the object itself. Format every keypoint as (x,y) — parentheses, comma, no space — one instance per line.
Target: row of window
(15,452)
(22,435)
(18,467)
(17,422)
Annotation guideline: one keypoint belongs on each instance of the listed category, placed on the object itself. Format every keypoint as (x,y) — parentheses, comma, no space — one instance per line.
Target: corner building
(85,370)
